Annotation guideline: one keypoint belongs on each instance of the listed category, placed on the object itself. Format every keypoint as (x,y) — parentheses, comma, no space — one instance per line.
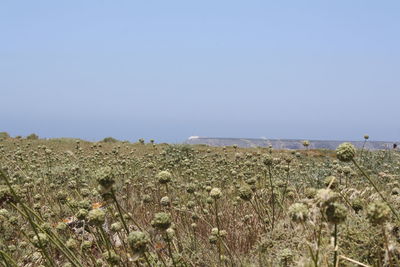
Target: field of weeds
(76,203)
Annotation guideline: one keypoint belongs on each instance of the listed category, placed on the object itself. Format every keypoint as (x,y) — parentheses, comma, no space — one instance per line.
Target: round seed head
(332,181)
(298,212)
(61,226)
(378,213)
(111,257)
(116,227)
(165,201)
(213,239)
(215,193)
(161,221)
(4,213)
(326,196)
(169,234)
(214,231)
(268,160)
(191,188)
(345,152)
(223,233)
(164,177)
(86,245)
(310,192)
(396,191)
(138,241)
(245,193)
(71,243)
(336,213)
(81,214)
(96,217)
(357,205)
(191,204)
(105,177)
(43,240)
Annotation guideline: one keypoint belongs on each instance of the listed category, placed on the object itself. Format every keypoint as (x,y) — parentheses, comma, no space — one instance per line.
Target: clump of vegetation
(109,140)
(111,203)
(4,136)
(32,136)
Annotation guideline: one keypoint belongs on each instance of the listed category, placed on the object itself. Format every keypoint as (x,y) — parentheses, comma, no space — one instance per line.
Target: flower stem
(376,189)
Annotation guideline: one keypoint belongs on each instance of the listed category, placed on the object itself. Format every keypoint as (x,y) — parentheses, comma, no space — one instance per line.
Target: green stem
(335,248)
(6,258)
(218,227)
(387,246)
(44,252)
(147,259)
(119,211)
(53,237)
(376,189)
(272,197)
(170,250)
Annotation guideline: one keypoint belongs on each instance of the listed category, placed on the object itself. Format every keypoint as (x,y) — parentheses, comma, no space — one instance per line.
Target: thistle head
(298,212)
(326,196)
(378,213)
(245,193)
(96,217)
(215,193)
(161,221)
(336,213)
(40,240)
(138,241)
(111,257)
(165,201)
(116,227)
(331,181)
(268,160)
(105,177)
(164,177)
(345,152)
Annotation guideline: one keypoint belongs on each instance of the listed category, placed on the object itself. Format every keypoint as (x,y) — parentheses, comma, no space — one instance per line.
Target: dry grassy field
(75,203)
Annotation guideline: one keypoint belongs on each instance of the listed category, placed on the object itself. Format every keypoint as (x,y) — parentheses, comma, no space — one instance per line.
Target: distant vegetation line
(288,143)
(241,142)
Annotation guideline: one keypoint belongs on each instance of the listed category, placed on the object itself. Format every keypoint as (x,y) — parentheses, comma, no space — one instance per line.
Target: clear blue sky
(171,69)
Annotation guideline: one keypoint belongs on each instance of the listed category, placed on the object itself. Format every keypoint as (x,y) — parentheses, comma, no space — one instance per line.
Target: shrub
(109,140)
(32,136)
(4,135)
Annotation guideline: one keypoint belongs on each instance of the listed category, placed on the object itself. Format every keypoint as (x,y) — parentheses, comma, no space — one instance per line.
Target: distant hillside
(285,143)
